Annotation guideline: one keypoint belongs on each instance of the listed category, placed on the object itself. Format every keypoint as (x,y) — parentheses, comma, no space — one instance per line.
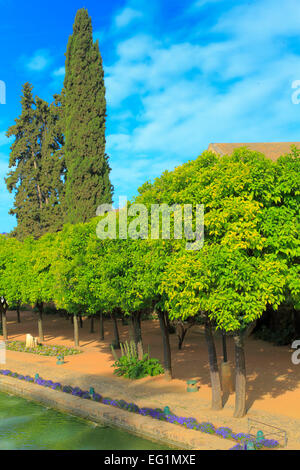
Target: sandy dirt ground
(273,382)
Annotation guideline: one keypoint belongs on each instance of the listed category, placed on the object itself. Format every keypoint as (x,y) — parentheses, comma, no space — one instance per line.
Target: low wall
(145,427)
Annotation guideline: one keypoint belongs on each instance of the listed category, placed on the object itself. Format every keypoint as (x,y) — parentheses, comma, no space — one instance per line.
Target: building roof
(272,150)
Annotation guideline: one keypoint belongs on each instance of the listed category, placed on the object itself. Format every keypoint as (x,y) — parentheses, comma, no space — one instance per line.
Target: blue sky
(179,74)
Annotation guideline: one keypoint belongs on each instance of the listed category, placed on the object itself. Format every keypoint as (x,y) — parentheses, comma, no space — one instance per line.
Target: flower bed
(42,349)
(190,423)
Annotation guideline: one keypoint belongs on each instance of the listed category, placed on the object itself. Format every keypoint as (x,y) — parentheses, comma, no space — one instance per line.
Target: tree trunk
(166,344)
(4,325)
(240,378)
(80,320)
(76,333)
(101,324)
(216,402)
(18,313)
(131,331)
(137,331)
(170,327)
(116,331)
(224,344)
(92,330)
(40,307)
(181,332)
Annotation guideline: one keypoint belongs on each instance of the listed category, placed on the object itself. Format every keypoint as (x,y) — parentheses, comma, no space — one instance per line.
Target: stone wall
(145,427)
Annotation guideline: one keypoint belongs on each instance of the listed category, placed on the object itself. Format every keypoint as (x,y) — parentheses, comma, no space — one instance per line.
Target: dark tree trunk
(166,344)
(76,332)
(101,325)
(4,325)
(216,402)
(92,330)
(18,313)
(137,332)
(72,319)
(181,330)
(170,327)
(40,306)
(224,344)
(240,378)
(131,331)
(181,335)
(116,331)
(80,320)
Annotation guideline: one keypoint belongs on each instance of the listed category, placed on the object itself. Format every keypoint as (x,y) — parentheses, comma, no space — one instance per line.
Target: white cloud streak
(126,16)
(189,94)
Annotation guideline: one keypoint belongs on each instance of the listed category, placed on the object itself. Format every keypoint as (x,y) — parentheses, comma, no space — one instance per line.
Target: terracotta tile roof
(272,150)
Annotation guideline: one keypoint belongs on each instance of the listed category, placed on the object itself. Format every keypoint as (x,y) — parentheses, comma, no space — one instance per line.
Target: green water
(26,425)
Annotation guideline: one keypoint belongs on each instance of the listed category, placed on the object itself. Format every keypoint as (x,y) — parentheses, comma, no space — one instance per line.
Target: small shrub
(133,368)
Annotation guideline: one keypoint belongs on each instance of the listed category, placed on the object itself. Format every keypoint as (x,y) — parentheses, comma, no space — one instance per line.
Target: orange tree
(37,281)
(230,290)
(126,276)
(69,270)
(11,276)
(245,196)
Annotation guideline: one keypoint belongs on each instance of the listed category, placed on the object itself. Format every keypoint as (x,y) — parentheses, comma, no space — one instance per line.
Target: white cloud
(261,20)
(189,94)
(59,72)
(126,16)
(39,61)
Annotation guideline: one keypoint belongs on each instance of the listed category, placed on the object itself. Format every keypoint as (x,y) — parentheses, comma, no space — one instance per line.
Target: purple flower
(237,447)
(224,432)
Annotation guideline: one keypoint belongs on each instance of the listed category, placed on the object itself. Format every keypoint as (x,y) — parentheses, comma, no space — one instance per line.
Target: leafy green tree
(37,167)
(9,277)
(84,107)
(243,194)
(52,164)
(230,290)
(69,269)
(38,283)
(125,278)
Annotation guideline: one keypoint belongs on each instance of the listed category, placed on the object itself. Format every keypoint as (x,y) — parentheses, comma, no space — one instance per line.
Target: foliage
(251,230)
(133,368)
(84,115)
(36,167)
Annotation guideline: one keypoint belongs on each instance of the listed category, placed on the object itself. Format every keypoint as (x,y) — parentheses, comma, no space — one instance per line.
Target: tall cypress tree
(36,177)
(84,107)
(52,164)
